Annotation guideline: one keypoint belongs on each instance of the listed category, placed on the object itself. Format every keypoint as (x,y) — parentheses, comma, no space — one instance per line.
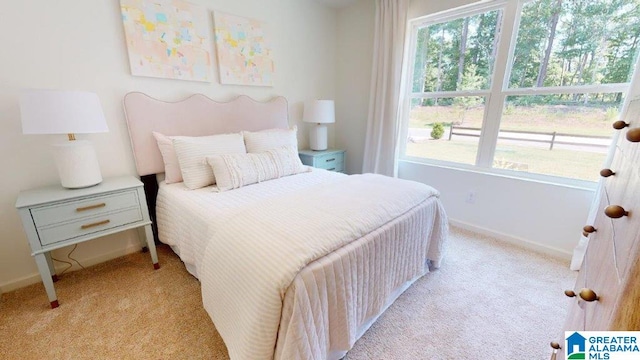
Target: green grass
(579,120)
(565,163)
(576,356)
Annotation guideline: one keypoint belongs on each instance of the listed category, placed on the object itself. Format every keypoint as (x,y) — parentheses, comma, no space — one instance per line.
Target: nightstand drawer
(332,160)
(56,233)
(328,161)
(331,165)
(83,208)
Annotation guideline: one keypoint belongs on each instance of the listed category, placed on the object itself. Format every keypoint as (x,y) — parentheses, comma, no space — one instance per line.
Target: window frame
(496,94)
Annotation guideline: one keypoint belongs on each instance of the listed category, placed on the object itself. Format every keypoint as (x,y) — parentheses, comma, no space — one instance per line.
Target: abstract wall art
(167,39)
(244,55)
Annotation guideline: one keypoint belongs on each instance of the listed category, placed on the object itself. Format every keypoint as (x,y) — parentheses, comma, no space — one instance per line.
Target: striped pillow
(172,172)
(233,171)
(262,141)
(192,151)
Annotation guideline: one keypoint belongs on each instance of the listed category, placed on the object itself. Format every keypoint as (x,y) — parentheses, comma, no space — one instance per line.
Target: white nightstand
(55,217)
(330,159)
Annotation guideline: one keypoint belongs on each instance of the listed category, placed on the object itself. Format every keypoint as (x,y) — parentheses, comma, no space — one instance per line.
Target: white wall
(543,216)
(355,56)
(79,45)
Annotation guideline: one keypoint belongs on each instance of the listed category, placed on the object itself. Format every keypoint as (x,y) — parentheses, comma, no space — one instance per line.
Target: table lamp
(66,112)
(319,112)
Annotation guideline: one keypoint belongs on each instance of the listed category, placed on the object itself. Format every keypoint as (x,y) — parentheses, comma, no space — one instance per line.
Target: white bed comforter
(255,252)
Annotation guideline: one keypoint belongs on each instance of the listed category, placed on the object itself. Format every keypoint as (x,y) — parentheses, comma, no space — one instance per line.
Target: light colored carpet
(489,300)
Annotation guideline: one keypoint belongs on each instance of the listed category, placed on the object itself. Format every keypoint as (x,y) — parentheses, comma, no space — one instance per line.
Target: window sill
(509,174)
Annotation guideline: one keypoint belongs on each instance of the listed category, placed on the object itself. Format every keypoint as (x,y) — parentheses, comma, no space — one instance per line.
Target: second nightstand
(330,159)
(54,217)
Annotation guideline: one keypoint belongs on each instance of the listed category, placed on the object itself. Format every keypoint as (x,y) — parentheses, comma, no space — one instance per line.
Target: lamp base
(77,164)
(318,137)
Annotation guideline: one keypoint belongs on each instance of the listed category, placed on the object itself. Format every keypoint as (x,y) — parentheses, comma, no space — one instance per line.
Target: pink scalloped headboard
(196,115)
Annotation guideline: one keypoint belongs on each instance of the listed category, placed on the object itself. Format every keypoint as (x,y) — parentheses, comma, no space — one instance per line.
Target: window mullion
(496,98)
(581,89)
(441,94)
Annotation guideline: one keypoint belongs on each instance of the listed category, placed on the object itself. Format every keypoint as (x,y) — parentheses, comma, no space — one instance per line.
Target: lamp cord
(70,265)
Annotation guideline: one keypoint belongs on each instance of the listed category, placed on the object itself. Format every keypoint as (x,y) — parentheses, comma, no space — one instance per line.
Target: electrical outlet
(471,197)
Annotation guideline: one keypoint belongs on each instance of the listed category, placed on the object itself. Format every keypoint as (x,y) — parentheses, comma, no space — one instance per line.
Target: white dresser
(606,295)
(55,217)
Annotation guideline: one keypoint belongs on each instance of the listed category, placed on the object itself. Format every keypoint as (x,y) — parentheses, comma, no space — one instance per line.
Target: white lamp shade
(61,112)
(66,112)
(319,112)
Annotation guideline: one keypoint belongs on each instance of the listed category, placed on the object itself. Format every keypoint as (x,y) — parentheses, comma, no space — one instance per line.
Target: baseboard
(528,244)
(35,278)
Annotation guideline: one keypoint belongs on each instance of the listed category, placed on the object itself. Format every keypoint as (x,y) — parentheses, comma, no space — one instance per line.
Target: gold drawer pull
(570,293)
(90,207)
(332,159)
(633,135)
(588,295)
(103,222)
(619,125)
(606,172)
(615,211)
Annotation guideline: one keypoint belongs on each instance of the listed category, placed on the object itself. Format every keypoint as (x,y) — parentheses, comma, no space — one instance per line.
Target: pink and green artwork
(167,39)
(244,55)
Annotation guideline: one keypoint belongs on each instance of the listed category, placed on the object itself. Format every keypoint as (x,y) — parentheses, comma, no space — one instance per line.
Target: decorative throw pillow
(261,141)
(233,171)
(191,153)
(172,172)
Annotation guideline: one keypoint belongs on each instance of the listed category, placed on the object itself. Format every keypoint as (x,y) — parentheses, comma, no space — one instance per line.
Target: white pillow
(233,171)
(191,153)
(262,141)
(172,172)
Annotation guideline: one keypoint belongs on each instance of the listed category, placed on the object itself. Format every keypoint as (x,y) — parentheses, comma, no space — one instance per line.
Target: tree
(470,81)
(463,50)
(542,73)
(419,66)
(532,35)
(483,43)
(559,43)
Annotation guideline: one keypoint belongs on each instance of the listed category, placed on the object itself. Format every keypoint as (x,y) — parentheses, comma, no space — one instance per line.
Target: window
(450,88)
(525,87)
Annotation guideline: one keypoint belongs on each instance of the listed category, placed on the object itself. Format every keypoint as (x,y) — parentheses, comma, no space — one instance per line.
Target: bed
(297,267)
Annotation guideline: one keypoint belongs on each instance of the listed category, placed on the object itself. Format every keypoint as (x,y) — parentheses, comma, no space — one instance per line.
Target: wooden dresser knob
(619,125)
(606,172)
(570,293)
(589,229)
(588,295)
(555,345)
(615,211)
(633,135)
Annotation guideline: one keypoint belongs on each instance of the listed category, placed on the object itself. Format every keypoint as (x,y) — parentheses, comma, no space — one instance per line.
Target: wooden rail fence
(552,136)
